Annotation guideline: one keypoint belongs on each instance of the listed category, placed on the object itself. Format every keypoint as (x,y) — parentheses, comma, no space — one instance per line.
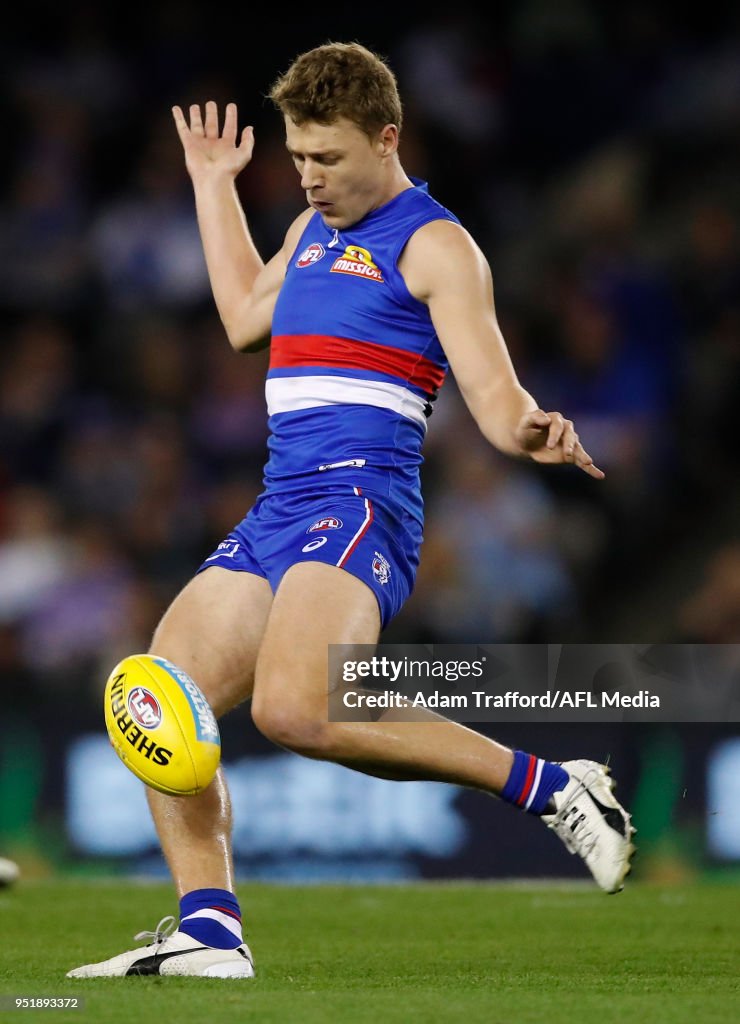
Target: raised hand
(208,153)
(548,437)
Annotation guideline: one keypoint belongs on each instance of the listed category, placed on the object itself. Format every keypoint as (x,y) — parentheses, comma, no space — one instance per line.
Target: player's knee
(223,690)
(295,729)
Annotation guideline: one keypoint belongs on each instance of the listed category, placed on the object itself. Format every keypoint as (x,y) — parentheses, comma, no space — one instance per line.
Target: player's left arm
(444,268)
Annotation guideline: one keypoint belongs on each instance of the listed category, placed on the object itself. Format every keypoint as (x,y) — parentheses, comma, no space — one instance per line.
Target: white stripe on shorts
(363,526)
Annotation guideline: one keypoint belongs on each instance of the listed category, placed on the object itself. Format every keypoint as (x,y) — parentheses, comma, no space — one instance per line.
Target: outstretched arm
(444,268)
(245,289)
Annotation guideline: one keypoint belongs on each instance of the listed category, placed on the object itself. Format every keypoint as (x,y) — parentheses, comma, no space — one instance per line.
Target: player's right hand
(207,152)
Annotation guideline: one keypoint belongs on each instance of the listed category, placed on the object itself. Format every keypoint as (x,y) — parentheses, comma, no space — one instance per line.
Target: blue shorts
(371,540)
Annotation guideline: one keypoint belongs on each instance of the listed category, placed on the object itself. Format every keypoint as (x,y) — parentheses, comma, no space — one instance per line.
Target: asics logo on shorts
(314,545)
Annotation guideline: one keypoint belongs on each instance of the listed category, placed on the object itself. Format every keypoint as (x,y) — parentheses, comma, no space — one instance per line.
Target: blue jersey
(355,362)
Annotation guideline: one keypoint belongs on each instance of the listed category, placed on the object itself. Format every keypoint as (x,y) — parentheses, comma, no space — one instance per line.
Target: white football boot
(592,823)
(172,953)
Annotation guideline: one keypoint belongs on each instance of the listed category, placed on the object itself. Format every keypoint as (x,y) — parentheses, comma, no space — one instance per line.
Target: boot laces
(163,931)
(572,825)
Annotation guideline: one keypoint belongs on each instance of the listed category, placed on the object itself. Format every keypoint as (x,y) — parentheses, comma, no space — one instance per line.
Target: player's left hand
(548,437)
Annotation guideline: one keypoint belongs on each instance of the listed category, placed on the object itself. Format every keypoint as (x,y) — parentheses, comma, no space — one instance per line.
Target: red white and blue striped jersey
(355,362)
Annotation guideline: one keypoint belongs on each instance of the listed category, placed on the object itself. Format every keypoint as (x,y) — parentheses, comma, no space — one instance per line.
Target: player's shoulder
(439,256)
(444,231)
(430,221)
(440,241)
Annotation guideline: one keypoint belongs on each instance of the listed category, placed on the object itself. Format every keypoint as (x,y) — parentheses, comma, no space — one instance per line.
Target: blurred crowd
(594,155)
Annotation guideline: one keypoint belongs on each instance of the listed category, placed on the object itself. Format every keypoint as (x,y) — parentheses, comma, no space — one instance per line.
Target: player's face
(342,171)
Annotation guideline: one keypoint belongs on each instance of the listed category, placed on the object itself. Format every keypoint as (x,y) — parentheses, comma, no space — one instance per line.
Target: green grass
(381,955)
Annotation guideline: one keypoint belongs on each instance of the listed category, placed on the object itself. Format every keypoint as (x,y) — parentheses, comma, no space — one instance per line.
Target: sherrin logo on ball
(161,726)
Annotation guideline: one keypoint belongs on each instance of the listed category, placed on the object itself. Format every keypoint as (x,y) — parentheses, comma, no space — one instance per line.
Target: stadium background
(593,152)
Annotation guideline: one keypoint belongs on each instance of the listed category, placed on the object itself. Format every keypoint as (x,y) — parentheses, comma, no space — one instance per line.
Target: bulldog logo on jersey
(310,255)
(359,262)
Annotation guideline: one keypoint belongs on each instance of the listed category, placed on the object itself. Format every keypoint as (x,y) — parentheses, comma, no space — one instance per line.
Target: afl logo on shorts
(312,254)
(144,708)
(329,523)
(381,568)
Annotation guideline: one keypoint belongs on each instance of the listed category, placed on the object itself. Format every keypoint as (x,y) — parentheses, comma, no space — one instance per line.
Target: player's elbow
(247,343)
(244,334)
(246,325)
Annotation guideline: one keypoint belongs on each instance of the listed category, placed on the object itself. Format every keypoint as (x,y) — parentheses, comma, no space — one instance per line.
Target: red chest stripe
(323,350)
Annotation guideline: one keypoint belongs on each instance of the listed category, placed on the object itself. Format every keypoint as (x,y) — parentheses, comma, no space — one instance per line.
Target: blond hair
(339,80)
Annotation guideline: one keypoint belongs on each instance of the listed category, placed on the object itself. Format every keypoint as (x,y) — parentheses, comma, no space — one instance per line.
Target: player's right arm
(245,289)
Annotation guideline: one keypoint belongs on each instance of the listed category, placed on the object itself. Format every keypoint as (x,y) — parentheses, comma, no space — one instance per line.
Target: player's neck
(397,181)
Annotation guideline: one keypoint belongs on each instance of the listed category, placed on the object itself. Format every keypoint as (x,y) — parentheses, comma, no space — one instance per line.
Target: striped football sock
(213,917)
(532,782)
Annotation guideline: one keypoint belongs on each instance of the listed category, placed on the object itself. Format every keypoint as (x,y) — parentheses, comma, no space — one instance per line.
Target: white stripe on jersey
(292,394)
(230,923)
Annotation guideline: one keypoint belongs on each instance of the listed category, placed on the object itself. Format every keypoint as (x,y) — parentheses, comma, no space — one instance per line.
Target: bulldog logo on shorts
(381,568)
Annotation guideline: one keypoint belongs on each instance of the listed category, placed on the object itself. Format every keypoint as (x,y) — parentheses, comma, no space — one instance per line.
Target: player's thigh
(315,605)
(213,629)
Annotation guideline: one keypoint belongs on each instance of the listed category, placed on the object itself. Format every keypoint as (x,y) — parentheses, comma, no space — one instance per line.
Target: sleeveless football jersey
(355,362)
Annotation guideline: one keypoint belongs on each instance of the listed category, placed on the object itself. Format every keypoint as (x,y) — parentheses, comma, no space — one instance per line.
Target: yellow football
(161,726)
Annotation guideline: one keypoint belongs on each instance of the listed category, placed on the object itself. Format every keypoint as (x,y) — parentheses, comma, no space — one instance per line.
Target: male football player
(376,290)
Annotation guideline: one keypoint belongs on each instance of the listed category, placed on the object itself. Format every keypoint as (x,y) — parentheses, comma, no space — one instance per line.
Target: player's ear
(388,140)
